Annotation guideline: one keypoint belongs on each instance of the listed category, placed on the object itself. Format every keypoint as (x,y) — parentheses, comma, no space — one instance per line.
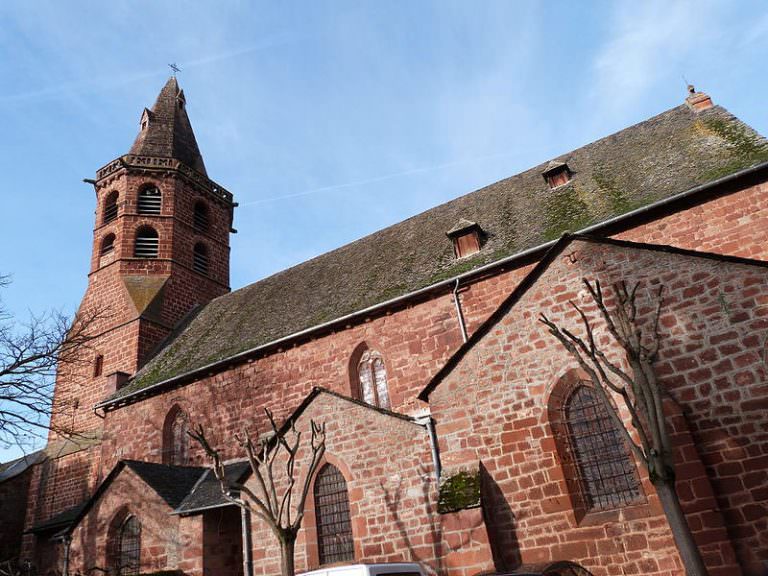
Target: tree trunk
(286,556)
(686,545)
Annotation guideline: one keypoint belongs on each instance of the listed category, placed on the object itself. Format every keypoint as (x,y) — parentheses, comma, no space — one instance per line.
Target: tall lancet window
(334,526)
(175,438)
(372,376)
(128,553)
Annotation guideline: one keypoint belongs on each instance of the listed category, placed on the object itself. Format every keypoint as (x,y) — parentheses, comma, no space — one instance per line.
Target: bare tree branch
(31,354)
(272,499)
(639,391)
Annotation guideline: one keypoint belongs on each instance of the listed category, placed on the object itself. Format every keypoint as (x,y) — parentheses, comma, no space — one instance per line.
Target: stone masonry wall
(167,541)
(493,408)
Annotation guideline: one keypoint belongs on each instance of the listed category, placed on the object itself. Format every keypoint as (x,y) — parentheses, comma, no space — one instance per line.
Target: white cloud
(649,42)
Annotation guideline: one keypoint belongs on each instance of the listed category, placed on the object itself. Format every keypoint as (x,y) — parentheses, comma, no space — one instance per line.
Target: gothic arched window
(175,438)
(150,200)
(372,379)
(128,548)
(107,244)
(147,243)
(606,472)
(334,526)
(110,207)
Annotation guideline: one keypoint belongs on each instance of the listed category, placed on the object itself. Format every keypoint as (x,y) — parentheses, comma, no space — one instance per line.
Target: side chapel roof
(659,158)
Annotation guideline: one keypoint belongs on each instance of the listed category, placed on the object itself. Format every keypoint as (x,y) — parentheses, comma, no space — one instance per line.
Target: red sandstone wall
(735,224)
(13,505)
(493,408)
(222,542)
(167,541)
(387,465)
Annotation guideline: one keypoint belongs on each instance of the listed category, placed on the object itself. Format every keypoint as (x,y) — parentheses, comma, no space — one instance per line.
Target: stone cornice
(105,174)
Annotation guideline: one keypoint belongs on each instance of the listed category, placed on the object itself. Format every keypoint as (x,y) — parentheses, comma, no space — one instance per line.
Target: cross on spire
(174,68)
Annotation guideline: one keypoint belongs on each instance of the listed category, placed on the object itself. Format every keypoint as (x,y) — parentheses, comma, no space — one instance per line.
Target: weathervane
(174,68)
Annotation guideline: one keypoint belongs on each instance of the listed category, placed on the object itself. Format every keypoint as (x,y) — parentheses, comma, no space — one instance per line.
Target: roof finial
(174,69)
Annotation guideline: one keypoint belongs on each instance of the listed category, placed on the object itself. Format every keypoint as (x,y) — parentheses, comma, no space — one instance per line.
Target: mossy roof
(650,161)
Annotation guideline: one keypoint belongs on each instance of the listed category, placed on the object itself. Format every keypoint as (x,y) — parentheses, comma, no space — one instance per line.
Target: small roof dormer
(557,173)
(146,118)
(467,237)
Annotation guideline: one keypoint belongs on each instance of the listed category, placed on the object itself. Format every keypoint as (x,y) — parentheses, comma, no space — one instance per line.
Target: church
(459,434)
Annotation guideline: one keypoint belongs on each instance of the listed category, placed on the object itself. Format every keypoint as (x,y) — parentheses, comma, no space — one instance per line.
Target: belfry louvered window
(129,548)
(110,207)
(150,200)
(200,217)
(107,245)
(147,243)
(200,259)
(607,474)
(334,527)
(372,375)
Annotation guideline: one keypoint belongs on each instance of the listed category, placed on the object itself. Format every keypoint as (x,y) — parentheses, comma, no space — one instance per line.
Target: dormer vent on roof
(467,237)
(698,101)
(146,118)
(557,173)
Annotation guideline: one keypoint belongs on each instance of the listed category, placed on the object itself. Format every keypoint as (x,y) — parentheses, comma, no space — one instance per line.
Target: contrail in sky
(382,178)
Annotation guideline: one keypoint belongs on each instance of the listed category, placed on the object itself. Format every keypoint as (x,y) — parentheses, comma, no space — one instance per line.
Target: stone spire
(166,130)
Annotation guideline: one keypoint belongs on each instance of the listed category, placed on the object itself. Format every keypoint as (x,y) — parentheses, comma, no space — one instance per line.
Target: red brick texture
(493,408)
(13,504)
(166,540)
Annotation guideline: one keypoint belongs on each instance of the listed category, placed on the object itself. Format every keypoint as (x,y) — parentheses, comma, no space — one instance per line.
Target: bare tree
(640,393)
(273,498)
(30,354)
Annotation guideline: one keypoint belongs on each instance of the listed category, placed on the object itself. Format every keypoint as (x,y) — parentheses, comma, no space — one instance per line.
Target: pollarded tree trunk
(686,545)
(287,556)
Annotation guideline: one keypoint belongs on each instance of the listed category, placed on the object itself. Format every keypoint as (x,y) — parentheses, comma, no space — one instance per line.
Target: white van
(393,569)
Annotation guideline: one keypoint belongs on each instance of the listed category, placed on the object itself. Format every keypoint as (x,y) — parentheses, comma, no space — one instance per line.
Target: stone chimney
(697,101)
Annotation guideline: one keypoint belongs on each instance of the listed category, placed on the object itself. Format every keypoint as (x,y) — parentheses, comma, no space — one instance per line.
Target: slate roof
(169,133)
(666,155)
(60,521)
(207,492)
(13,468)
(172,483)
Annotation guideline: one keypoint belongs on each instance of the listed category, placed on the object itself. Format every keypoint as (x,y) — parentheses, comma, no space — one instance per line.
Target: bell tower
(160,249)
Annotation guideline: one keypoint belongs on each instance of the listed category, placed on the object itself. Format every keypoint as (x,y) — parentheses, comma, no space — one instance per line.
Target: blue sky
(331,119)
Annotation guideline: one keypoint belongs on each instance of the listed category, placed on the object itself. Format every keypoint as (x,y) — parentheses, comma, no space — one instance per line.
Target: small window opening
(467,238)
(200,218)
(110,207)
(144,125)
(98,365)
(200,259)
(557,174)
(147,243)
(150,201)
(107,245)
